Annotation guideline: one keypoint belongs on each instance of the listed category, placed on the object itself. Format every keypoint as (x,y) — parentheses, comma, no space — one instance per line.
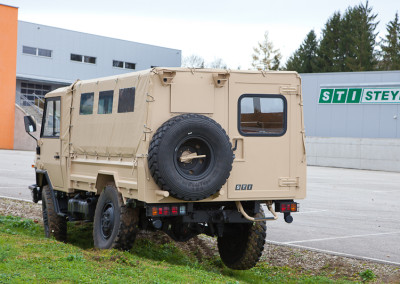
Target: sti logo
(360,96)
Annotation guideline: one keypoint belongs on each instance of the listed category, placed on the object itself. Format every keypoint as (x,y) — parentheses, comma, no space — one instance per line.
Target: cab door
(258,127)
(50,148)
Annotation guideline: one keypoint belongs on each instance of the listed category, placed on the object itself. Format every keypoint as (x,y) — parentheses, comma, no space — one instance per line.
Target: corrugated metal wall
(59,68)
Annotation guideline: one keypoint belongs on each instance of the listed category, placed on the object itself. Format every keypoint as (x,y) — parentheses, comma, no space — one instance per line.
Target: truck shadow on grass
(151,245)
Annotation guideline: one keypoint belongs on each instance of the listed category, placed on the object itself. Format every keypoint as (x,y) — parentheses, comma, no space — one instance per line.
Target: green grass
(26,256)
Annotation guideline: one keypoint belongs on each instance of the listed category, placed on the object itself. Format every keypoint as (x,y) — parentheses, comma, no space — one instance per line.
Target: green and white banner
(360,96)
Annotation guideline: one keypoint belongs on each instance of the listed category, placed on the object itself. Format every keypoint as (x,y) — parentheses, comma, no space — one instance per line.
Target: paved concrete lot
(16,173)
(348,212)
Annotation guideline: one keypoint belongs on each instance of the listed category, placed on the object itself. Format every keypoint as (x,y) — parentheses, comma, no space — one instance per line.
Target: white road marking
(15,198)
(336,253)
(13,187)
(344,237)
(312,211)
(8,170)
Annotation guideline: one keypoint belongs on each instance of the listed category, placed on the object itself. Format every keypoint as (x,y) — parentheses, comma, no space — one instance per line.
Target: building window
(33,93)
(83,58)
(86,105)
(105,102)
(119,64)
(37,51)
(124,65)
(126,102)
(52,115)
(129,65)
(262,115)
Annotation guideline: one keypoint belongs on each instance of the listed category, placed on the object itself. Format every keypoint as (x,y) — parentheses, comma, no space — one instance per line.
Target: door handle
(57,157)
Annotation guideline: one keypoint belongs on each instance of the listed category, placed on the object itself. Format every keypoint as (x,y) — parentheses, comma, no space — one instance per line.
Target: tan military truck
(185,151)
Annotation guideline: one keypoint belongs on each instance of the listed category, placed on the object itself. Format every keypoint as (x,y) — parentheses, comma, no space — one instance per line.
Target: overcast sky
(209,28)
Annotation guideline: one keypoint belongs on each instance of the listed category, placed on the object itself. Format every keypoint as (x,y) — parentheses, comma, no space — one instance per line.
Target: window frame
(80,103)
(124,63)
(119,100)
(37,50)
(105,93)
(83,58)
(52,99)
(263,96)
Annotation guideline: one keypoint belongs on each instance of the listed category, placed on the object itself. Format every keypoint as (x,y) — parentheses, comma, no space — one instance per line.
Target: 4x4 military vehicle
(185,151)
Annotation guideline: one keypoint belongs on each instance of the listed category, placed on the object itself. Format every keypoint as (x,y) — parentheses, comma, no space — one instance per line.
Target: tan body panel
(96,148)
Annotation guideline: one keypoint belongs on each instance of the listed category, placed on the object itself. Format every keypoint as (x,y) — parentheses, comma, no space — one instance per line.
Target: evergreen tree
(330,57)
(304,60)
(358,39)
(265,57)
(390,46)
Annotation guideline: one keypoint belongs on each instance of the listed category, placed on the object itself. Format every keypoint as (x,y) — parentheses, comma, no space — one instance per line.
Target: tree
(265,57)
(218,63)
(304,59)
(193,61)
(390,46)
(359,39)
(330,57)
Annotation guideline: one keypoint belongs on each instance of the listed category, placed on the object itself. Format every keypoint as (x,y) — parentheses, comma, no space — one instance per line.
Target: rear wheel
(54,225)
(115,224)
(241,245)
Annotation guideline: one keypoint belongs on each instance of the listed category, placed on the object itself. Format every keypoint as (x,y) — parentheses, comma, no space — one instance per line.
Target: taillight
(289,207)
(164,210)
(182,210)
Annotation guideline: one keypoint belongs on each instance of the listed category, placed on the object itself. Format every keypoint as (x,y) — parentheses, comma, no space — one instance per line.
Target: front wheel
(115,224)
(241,245)
(54,225)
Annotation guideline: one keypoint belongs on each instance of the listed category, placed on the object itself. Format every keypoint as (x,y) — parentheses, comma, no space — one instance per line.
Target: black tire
(54,225)
(198,178)
(115,224)
(241,246)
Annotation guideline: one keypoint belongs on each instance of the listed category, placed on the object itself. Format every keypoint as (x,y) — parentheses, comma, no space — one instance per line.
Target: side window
(105,102)
(126,102)
(52,116)
(262,115)
(86,106)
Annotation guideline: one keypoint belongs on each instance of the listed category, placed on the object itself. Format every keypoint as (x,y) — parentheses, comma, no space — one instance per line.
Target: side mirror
(30,124)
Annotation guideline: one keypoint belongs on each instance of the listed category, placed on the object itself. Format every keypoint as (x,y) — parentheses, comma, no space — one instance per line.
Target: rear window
(262,115)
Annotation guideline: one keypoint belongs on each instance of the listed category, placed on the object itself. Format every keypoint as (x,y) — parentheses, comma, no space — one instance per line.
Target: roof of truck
(157,70)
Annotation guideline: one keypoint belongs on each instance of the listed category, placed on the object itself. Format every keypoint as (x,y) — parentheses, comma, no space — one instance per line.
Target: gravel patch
(313,262)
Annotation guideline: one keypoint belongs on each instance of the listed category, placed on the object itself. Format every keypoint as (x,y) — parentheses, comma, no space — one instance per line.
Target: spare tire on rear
(190,156)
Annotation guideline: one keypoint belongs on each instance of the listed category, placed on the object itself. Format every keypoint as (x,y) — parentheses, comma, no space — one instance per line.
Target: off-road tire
(54,225)
(241,246)
(198,178)
(124,224)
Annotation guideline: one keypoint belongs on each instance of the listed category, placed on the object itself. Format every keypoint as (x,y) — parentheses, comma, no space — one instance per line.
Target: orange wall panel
(8,66)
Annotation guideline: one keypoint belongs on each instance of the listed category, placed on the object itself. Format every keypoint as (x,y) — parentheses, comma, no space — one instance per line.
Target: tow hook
(288,218)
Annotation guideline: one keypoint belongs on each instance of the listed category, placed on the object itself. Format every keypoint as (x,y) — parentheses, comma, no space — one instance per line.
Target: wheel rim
(107,220)
(196,168)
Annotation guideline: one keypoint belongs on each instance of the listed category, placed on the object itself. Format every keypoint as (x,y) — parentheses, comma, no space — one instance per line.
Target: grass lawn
(26,256)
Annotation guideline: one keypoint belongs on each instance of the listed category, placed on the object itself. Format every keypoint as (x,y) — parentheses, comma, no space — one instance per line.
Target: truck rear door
(258,126)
